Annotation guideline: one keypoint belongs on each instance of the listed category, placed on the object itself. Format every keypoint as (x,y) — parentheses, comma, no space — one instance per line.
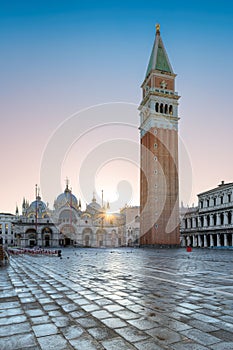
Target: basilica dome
(93,207)
(37,206)
(66,199)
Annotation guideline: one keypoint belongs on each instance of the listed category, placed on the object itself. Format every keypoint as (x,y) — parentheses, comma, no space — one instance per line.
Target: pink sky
(56,64)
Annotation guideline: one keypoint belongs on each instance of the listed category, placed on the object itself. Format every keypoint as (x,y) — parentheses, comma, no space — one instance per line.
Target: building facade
(159,190)
(131,217)
(210,224)
(7,221)
(68,225)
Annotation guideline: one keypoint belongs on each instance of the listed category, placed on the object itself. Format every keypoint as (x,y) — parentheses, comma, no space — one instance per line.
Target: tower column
(159,191)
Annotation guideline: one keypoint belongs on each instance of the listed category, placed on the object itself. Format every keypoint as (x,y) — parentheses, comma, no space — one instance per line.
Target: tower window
(161,108)
(166,109)
(155,145)
(155,132)
(155,158)
(156,107)
(170,110)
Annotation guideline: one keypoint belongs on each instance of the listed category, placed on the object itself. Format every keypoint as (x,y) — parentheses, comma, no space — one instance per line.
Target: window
(155,158)
(155,132)
(161,108)
(202,221)
(170,110)
(221,218)
(156,107)
(229,197)
(208,203)
(215,219)
(155,145)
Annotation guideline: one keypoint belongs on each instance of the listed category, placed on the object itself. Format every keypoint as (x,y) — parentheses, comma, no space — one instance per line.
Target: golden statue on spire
(157,28)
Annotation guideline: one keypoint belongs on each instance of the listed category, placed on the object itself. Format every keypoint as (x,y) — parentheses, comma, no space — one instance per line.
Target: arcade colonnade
(210,224)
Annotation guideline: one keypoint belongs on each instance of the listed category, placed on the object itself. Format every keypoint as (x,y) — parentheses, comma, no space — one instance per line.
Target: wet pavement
(118,299)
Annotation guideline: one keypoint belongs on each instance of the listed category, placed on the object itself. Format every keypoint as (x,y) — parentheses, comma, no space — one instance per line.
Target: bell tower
(159,183)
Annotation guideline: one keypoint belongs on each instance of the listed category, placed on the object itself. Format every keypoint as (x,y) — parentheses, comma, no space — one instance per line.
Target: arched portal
(87,237)
(31,239)
(46,237)
(67,236)
(130,243)
(113,238)
(101,238)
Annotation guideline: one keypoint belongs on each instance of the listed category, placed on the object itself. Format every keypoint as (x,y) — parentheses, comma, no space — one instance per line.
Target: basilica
(68,225)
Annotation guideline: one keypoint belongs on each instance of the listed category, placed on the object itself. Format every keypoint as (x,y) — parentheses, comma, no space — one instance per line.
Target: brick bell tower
(159,183)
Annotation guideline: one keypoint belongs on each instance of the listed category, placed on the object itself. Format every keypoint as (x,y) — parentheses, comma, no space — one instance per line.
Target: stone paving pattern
(119,299)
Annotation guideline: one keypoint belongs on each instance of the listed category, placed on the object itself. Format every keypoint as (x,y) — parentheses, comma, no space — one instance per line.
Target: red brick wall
(162,199)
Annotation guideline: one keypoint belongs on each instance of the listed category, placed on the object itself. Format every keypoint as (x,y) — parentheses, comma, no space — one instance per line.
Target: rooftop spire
(67,183)
(159,59)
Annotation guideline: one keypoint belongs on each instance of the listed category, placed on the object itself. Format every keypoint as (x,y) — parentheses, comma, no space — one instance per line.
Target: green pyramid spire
(159,58)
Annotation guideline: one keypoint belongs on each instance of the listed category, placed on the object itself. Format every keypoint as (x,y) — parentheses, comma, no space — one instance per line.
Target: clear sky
(59,57)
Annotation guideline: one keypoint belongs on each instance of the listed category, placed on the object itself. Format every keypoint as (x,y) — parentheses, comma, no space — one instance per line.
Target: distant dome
(37,206)
(93,206)
(66,199)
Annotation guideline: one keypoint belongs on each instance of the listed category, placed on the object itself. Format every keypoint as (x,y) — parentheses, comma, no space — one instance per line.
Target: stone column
(225,222)
(199,241)
(218,240)
(225,240)
(193,222)
(194,241)
(199,221)
(188,240)
(189,222)
(39,239)
(183,241)
(205,241)
(205,220)
(211,241)
(211,220)
(232,217)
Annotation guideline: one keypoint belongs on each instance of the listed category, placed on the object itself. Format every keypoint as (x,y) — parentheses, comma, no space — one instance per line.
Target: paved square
(118,299)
